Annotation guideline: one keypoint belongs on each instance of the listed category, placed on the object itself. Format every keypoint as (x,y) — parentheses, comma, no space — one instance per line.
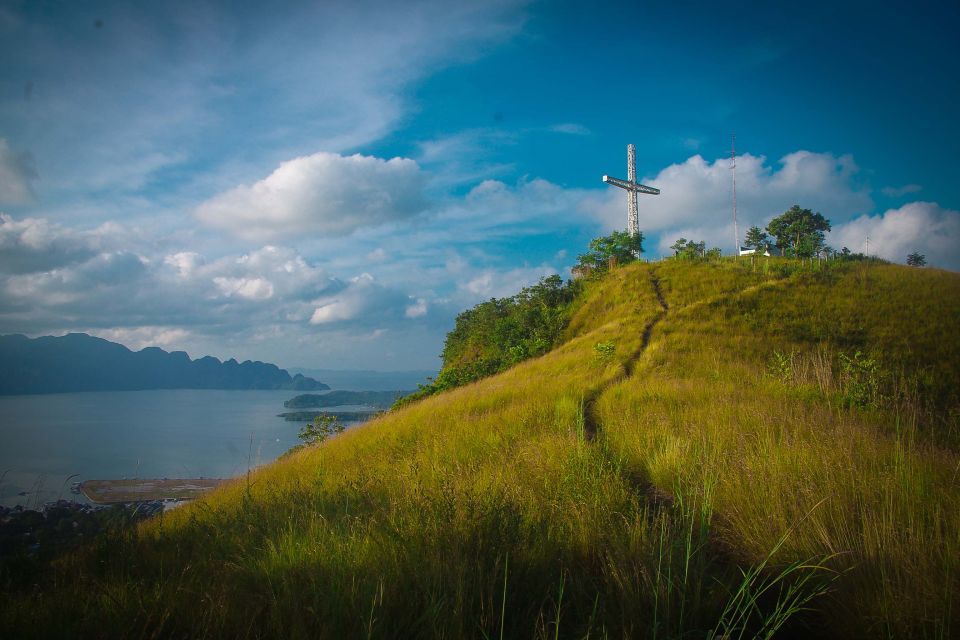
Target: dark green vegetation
(799,232)
(360,380)
(619,248)
(78,362)
(692,250)
(497,334)
(377,399)
(712,449)
(346,416)
(322,427)
(29,538)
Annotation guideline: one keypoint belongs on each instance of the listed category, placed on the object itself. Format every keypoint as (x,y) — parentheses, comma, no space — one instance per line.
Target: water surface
(181,433)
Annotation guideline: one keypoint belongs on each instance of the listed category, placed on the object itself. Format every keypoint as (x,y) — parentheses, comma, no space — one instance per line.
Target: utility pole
(733,171)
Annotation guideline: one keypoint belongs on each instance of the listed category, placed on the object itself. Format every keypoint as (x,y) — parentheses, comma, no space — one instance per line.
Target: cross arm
(631,186)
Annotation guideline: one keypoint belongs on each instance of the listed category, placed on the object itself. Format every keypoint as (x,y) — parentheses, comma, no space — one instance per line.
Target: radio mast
(733,171)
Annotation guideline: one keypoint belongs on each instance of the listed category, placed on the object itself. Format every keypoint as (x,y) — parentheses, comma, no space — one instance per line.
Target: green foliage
(916,259)
(322,427)
(780,366)
(691,250)
(799,231)
(604,351)
(861,380)
(857,380)
(756,238)
(619,247)
(501,332)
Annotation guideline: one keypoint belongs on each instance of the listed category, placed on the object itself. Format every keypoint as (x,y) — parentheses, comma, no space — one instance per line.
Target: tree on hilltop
(619,246)
(799,231)
(691,250)
(756,238)
(916,259)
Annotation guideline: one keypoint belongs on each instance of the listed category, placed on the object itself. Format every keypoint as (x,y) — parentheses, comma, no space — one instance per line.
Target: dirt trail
(591,421)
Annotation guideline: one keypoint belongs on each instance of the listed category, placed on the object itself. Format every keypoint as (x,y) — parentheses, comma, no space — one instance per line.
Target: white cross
(633,188)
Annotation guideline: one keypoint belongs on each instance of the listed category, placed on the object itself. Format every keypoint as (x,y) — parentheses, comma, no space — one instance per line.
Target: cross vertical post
(632,187)
(633,216)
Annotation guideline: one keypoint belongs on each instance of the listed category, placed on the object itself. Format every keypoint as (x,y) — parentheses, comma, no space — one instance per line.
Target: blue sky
(328,185)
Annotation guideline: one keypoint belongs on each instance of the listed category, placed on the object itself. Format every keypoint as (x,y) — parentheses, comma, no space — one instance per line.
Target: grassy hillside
(714,449)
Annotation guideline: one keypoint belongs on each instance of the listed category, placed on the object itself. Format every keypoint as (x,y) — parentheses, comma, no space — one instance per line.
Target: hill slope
(79,362)
(706,452)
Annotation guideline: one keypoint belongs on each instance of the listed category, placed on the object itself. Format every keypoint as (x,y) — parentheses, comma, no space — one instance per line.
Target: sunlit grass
(566,498)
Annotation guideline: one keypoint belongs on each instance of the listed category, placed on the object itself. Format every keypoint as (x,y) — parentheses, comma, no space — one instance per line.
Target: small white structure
(749,251)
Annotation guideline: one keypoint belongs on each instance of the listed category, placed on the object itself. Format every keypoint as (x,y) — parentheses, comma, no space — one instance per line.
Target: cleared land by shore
(137,490)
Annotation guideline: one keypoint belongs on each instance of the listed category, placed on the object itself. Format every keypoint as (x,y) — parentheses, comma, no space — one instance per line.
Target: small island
(375,399)
(342,416)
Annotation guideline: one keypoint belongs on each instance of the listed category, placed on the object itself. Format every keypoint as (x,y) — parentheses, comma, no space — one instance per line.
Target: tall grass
(707,414)
(666,489)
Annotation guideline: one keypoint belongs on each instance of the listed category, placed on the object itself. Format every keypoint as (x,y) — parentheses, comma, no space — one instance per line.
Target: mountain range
(80,362)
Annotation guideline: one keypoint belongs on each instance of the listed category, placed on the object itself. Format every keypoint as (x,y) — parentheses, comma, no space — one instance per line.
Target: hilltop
(80,362)
(711,448)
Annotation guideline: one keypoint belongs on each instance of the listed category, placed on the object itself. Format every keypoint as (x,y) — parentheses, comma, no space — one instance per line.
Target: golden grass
(582,496)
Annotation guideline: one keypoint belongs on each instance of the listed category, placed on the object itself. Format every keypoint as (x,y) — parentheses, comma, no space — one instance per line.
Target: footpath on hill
(654,475)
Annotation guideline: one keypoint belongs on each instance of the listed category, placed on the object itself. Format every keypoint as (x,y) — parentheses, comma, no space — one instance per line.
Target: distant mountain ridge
(80,362)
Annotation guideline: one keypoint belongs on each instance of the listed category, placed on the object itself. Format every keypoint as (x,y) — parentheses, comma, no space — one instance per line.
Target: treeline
(499,333)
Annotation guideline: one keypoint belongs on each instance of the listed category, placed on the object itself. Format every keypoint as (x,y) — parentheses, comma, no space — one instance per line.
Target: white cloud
(16,172)
(184,84)
(249,288)
(36,244)
(897,192)
(325,193)
(185,263)
(364,301)
(491,283)
(570,128)
(417,309)
(377,255)
(696,196)
(464,158)
(918,226)
(137,338)
(336,310)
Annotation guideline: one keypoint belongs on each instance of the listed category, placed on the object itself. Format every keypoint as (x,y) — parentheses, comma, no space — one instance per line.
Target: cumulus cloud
(55,280)
(36,244)
(695,195)
(417,309)
(324,193)
(52,277)
(363,301)
(249,288)
(919,226)
(16,172)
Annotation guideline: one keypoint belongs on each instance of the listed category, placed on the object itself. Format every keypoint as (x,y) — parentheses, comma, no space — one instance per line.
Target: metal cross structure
(633,188)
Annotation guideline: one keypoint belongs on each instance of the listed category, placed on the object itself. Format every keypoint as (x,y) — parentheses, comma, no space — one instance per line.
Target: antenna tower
(733,171)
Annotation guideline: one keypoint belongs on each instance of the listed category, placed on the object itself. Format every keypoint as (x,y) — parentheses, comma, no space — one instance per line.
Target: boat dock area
(140,490)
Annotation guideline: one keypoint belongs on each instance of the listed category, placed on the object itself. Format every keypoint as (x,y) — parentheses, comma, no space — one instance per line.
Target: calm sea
(46,439)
